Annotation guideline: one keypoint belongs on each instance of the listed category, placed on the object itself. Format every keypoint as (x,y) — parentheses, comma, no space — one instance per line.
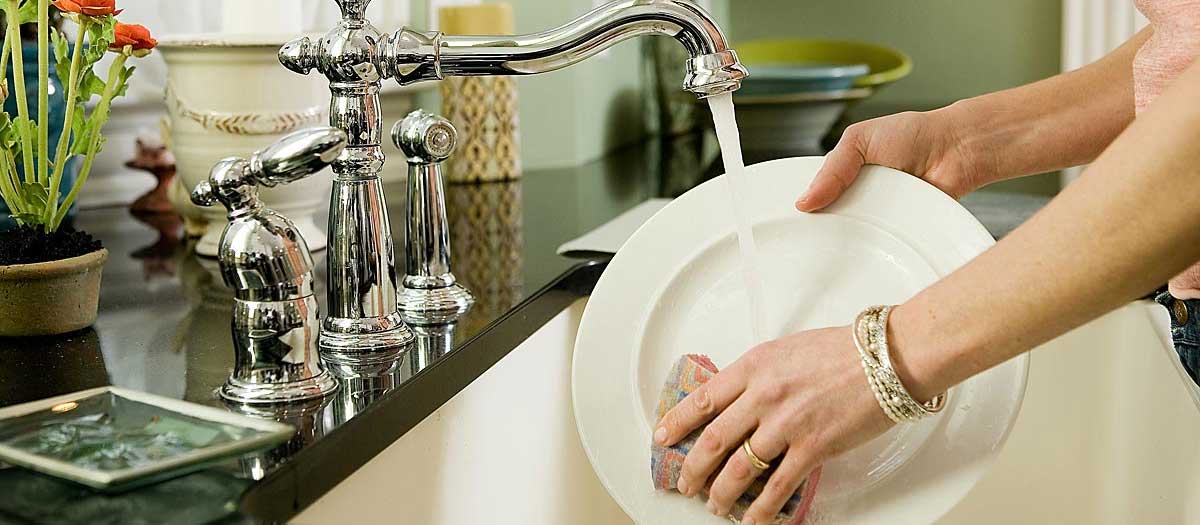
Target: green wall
(960,48)
(579,113)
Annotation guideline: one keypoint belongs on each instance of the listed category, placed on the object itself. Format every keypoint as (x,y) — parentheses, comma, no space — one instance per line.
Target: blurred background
(957,49)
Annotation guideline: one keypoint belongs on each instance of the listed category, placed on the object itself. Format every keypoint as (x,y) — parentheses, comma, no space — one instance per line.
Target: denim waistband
(1185,330)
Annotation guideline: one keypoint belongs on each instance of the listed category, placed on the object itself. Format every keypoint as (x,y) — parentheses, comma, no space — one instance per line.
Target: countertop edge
(317,469)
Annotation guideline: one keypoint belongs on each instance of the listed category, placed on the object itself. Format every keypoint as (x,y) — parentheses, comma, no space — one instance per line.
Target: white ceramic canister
(227,95)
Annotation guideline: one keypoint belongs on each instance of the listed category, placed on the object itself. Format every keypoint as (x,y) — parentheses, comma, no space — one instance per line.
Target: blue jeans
(1185,330)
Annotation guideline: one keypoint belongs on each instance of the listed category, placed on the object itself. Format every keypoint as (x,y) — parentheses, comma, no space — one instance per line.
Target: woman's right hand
(927,144)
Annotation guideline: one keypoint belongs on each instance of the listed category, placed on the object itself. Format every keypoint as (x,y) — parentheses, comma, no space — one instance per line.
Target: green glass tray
(114,439)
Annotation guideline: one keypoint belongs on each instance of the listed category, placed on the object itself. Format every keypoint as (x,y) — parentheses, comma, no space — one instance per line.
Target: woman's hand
(926,144)
(800,400)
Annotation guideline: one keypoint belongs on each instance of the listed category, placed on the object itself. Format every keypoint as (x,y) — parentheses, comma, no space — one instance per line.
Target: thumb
(838,173)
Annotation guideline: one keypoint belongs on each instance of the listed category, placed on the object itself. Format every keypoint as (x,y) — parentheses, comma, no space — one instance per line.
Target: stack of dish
(798,89)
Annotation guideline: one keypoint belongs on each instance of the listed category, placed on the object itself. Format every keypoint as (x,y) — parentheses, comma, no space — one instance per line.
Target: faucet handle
(204,195)
(299,55)
(425,138)
(229,184)
(233,181)
(297,155)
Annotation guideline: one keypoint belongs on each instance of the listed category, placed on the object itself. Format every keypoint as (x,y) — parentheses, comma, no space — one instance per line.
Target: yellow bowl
(887,65)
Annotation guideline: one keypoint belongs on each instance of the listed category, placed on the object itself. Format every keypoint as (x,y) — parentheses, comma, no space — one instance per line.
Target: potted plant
(49,272)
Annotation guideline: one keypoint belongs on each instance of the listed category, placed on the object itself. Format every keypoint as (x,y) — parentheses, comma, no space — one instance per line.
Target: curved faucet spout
(712,69)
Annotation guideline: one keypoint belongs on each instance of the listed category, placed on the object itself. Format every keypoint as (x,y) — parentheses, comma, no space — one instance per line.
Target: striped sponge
(665,462)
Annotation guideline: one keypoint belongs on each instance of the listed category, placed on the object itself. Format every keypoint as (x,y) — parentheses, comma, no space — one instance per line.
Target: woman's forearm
(1128,225)
(1059,122)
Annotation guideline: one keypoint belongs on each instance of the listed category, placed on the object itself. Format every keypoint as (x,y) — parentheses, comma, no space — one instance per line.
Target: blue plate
(782,79)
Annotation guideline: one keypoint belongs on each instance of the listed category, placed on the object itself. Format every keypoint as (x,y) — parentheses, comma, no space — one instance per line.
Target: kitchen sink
(1107,434)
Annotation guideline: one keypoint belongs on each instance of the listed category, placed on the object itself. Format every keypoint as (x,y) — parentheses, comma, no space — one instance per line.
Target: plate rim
(1019,373)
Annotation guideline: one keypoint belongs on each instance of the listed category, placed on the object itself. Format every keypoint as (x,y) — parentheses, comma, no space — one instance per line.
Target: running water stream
(739,190)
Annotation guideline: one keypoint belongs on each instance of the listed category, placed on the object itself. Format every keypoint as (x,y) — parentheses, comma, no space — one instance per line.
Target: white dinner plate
(675,288)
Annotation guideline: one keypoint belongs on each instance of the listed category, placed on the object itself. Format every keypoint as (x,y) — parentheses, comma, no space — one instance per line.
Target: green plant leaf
(62,54)
(90,85)
(28,219)
(100,34)
(24,131)
(81,132)
(100,141)
(28,12)
(123,81)
(36,195)
(62,48)
(8,135)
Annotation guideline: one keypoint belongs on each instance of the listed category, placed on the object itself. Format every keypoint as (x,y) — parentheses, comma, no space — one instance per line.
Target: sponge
(687,375)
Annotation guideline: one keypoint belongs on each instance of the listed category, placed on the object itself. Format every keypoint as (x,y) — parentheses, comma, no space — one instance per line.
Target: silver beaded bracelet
(870,338)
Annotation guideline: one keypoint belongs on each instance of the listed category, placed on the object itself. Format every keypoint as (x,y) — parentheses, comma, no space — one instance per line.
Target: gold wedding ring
(758,463)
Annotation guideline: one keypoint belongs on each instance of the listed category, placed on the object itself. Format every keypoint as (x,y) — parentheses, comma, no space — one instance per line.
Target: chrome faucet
(363,322)
(266,262)
(430,293)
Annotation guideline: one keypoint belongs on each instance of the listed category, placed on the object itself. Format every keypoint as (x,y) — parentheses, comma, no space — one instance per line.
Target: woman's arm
(1128,225)
(1063,121)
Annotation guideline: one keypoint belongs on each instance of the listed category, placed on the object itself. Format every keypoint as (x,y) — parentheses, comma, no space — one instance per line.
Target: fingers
(718,439)
(784,482)
(700,406)
(740,472)
(839,171)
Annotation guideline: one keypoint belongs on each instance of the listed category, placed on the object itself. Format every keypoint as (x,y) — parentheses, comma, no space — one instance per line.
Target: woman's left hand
(800,400)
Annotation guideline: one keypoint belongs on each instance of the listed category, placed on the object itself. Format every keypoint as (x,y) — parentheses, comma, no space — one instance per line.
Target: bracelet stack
(870,338)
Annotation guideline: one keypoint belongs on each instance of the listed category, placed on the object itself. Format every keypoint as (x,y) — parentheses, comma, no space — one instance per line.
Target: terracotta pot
(52,297)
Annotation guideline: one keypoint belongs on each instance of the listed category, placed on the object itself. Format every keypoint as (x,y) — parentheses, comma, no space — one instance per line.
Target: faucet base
(423,306)
(354,343)
(241,392)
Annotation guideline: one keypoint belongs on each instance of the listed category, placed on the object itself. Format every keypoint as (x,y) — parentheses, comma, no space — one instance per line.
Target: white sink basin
(504,450)
(1107,434)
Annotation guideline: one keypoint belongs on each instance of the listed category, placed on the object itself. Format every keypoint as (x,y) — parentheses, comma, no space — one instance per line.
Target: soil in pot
(25,245)
(49,283)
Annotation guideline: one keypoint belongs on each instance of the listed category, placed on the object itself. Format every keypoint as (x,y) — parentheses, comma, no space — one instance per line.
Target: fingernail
(660,436)
(681,485)
(712,507)
(747,520)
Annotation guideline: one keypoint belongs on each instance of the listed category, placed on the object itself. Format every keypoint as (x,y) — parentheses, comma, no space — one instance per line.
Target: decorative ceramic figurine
(158,161)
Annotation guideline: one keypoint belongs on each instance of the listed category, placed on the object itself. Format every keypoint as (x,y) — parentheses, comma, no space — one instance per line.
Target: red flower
(88,7)
(133,35)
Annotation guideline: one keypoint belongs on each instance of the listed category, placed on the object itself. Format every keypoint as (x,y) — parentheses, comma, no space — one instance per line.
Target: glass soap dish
(114,439)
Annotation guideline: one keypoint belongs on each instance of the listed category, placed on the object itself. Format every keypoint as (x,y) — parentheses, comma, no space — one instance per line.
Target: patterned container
(483,109)
(487,233)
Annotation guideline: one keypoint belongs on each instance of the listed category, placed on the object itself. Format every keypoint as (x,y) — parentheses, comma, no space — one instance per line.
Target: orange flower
(133,35)
(88,7)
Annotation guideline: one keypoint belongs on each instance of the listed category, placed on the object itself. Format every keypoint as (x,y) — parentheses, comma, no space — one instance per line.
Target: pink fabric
(1173,47)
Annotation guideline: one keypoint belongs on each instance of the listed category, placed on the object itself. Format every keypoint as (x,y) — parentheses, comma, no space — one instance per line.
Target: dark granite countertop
(164,328)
